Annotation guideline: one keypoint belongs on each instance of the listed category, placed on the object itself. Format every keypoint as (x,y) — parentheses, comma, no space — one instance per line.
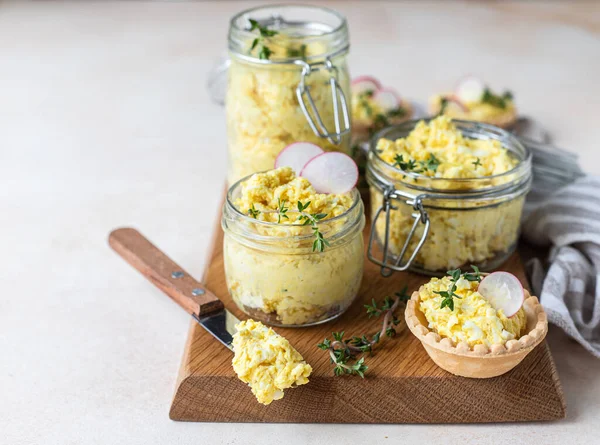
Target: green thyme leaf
(264,52)
(497,101)
(443,104)
(253,212)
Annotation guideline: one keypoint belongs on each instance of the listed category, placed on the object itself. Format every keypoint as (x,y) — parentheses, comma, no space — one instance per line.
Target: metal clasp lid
(313,117)
(420,216)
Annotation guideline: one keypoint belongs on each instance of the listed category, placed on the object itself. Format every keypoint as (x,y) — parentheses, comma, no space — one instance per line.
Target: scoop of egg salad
(262,109)
(438,149)
(267,362)
(265,192)
(473,319)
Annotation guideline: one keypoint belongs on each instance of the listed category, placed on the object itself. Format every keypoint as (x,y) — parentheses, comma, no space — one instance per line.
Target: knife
(181,287)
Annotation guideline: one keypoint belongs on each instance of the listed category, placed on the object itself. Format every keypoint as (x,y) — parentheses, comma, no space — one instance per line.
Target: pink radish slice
(296,155)
(454,101)
(503,291)
(365,83)
(331,172)
(470,89)
(387,99)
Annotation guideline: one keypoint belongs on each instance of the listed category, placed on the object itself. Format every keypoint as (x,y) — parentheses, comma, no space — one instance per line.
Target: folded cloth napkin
(568,220)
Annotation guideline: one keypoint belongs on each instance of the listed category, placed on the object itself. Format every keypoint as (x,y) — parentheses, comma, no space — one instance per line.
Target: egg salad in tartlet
(375,107)
(266,361)
(468,333)
(474,100)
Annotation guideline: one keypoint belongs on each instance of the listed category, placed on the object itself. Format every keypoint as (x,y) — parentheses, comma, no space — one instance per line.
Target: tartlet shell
(360,128)
(505,120)
(478,361)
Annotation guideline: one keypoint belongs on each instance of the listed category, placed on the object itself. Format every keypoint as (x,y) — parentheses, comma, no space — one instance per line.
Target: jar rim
(236,32)
(485,129)
(333,12)
(356,199)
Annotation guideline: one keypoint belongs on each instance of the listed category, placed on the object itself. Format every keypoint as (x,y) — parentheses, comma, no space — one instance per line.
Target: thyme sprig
(344,352)
(496,100)
(448,295)
(281,210)
(264,52)
(477,162)
(307,219)
(432,163)
(443,104)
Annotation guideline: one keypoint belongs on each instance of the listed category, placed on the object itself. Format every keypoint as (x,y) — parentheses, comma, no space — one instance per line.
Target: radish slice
(331,172)
(470,89)
(365,83)
(503,291)
(387,99)
(296,155)
(453,101)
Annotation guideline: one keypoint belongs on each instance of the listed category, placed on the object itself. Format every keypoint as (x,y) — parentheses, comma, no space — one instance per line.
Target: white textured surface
(105,121)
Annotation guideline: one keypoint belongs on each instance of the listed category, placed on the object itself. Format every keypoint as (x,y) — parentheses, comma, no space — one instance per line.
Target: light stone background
(105,121)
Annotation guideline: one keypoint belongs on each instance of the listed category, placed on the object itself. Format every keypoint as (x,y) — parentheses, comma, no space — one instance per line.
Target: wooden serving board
(402,384)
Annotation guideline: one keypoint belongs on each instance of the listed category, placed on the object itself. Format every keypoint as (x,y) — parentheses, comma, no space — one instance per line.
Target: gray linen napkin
(567,218)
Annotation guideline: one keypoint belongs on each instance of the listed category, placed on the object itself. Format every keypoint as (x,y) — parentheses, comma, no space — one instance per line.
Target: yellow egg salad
(272,268)
(472,320)
(262,109)
(267,362)
(368,115)
(499,110)
(439,150)
(435,157)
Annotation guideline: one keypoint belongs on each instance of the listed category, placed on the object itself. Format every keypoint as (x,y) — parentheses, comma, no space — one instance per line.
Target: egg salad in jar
(287,65)
(452,193)
(293,257)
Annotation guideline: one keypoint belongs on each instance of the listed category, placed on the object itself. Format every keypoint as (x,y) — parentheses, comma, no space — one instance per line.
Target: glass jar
(431,225)
(273,274)
(296,94)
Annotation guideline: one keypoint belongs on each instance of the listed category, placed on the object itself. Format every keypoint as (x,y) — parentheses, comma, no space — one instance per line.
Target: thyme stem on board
(344,352)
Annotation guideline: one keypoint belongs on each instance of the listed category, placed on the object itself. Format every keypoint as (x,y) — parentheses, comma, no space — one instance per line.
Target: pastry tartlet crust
(478,361)
(504,120)
(360,128)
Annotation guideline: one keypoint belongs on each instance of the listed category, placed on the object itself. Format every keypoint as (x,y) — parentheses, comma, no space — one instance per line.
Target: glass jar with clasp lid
(288,82)
(433,224)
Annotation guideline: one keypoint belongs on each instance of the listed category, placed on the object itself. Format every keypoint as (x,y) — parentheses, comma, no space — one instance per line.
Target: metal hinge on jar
(420,217)
(313,117)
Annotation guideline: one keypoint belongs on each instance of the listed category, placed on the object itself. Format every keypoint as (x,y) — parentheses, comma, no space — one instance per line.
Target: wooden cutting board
(402,384)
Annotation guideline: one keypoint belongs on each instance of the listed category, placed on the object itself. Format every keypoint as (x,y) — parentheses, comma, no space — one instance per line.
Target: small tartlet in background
(473,100)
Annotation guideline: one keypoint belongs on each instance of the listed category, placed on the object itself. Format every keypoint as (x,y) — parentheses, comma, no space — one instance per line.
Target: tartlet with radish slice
(464,326)
(472,99)
(375,106)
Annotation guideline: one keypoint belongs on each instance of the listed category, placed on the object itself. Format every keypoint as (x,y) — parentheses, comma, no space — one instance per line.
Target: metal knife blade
(221,325)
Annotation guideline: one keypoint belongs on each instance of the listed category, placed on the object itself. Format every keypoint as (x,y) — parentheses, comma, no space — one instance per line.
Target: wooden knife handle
(163,272)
